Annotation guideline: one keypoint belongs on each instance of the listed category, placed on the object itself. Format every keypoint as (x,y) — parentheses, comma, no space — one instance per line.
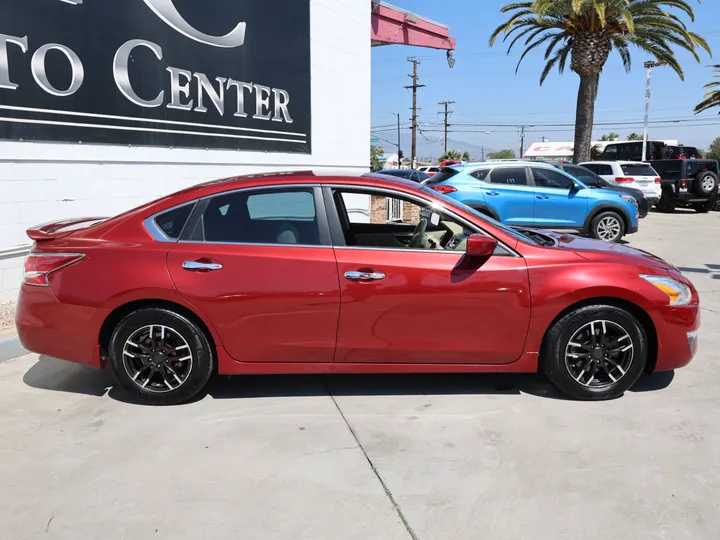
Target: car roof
(619,162)
(497,164)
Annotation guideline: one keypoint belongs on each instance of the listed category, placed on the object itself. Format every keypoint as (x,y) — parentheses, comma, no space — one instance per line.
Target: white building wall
(41,182)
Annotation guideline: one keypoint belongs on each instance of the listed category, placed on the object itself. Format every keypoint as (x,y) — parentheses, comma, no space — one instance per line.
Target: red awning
(392,25)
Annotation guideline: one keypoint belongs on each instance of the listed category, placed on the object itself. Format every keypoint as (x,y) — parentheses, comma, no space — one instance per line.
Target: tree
(376,152)
(466,156)
(452,155)
(634,137)
(714,150)
(587,31)
(712,98)
(501,154)
(610,137)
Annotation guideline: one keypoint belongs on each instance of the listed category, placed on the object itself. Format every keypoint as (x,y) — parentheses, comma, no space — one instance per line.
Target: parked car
(682,152)
(595,181)
(636,175)
(409,174)
(269,274)
(430,171)
(535,194)
(688,182)
(628,151)
(449,162)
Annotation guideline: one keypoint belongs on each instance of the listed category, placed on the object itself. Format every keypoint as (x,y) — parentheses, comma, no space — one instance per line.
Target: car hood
(598,251)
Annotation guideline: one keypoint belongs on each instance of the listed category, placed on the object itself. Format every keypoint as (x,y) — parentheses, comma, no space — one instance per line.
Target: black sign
(232,74)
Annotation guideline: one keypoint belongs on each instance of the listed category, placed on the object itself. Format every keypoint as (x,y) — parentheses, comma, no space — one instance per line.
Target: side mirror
(577,186)
(479,245)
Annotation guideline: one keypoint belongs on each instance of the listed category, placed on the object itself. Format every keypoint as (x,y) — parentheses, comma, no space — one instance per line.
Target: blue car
(538,195)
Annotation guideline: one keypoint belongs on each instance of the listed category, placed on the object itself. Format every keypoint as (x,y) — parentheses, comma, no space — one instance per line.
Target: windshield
(524,237)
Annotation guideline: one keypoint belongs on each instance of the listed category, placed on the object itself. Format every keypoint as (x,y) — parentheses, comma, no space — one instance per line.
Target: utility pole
(649,66)
(446,103)
(414,86)
(522,140)
(482,149)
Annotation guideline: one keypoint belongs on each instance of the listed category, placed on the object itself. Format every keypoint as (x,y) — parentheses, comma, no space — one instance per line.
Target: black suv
(688,182)
(629,151)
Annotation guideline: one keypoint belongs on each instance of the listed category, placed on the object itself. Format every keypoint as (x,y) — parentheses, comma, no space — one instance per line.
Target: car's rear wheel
(608,227)
(595,352)
(160,356)
(666,203)
(704,207)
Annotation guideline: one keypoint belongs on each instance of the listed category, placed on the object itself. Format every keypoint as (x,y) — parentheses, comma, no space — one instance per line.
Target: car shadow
(60,376)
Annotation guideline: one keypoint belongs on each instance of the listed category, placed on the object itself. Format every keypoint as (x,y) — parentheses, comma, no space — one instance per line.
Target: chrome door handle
(201,266)
(493,193)
(364,276)
(543,197)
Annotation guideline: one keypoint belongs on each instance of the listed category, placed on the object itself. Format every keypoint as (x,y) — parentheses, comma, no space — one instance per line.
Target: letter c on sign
(166,10)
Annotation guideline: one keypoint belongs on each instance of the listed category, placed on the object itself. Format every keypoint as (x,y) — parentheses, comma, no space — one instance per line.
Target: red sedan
(287,273)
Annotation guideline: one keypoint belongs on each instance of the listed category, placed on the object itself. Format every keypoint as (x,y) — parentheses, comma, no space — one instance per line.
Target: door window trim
(338,236)
(324,235)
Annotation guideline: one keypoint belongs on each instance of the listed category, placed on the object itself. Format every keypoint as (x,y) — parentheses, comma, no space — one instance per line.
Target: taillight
(699,156)
(680,156)
(658,180)
(38,266)
(624,180)
(444,189)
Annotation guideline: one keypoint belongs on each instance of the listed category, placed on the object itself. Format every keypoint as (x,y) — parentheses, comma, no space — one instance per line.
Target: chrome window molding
(156,232)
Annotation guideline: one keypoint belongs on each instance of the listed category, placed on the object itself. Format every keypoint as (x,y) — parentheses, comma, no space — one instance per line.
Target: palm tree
(466,156)
(587,31)
(634,137)
(712,98)
(453,155)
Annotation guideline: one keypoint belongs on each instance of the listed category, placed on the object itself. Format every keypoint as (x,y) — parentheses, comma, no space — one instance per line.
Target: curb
(10,348)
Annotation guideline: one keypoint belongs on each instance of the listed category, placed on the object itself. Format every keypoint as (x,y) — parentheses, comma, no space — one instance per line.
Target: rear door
(260,265)
(507,192)
(557,203)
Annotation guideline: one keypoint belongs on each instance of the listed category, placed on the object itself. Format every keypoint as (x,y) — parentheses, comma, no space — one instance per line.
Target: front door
(260,266)
(420,301)
(557,202)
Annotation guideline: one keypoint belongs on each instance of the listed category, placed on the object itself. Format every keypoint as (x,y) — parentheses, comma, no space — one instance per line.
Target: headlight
(629,199)
(678,293)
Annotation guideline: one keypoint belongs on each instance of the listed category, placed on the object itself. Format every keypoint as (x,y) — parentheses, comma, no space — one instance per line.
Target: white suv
(632,174)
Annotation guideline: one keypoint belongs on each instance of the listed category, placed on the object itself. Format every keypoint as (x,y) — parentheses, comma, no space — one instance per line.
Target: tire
(704,207)
(666,203)
(608,227)
(705,183)
(571,329)
(177,372)
(716,206)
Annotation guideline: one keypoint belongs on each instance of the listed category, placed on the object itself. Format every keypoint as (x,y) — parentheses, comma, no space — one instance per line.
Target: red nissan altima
(290,273)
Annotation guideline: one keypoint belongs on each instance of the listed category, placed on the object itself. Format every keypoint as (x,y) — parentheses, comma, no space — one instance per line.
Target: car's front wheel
(595,352)
(608,227)
(160,356)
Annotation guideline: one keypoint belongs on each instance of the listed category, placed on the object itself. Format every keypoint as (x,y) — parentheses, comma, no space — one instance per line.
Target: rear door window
(514,176)
(637,169)
(284,216)
(606,170)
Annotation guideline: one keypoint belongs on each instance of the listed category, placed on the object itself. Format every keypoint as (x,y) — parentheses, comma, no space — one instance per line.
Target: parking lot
(427,457)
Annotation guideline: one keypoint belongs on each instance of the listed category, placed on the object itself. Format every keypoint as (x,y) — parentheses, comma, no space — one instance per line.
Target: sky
(486,89)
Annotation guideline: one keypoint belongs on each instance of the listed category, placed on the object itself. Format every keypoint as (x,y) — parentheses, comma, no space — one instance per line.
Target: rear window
(695,167)
(445,174)
(637,169)
(172,223)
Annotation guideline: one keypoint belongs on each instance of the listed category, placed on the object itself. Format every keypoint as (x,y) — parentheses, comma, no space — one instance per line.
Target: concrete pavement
(440,456)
